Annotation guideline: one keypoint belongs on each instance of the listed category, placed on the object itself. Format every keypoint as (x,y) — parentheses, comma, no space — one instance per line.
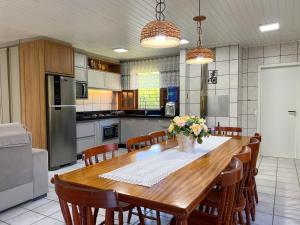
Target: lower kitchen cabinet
(86,135)
(132,127)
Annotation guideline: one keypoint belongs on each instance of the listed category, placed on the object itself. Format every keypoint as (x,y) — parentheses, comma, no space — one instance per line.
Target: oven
(110,132)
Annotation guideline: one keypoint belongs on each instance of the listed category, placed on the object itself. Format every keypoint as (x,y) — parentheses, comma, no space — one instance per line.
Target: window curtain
(168,68)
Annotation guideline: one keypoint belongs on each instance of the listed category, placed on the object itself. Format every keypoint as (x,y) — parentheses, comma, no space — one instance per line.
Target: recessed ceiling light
(183,42)
(269,27)
(120,50)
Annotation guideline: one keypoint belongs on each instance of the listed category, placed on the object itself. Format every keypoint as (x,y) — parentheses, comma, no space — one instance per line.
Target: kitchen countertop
(137,116)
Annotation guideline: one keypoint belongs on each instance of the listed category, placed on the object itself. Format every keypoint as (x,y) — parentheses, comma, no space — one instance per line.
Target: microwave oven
(81,90)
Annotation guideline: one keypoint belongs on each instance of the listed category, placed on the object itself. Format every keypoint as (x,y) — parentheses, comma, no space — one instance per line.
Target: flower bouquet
(187,130)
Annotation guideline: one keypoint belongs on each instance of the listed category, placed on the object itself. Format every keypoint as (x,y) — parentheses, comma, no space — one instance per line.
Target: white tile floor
(278,187)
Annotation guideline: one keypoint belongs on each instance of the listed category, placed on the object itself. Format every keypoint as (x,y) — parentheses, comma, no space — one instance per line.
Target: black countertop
(100,115)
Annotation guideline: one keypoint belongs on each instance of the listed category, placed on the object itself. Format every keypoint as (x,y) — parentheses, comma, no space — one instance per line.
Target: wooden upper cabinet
(59,58)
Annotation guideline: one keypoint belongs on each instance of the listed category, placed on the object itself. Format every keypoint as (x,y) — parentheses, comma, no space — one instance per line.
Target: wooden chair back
(94,152)
(137,143)
(254,145)
(79,204)
(245,157)
(257,136)
(228,131)
(230,180)
(158,136)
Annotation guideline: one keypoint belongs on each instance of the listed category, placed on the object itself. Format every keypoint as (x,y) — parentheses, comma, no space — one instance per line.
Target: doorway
(279,104)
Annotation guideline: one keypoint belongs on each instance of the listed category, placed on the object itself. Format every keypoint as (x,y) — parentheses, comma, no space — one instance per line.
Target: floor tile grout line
(275,194)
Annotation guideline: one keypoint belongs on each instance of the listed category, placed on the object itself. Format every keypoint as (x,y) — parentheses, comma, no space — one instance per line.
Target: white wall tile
(182,69)
(288,58)
(252,121)
(254,63)
(233,122)
(244,80)
(245,53)
(272,50)
(182,109)
(211,86)
(234,52)
(252,107)
(222,92)
(244,66)
(244,121)
(211,121)
(195,109)
(182,83)
(182,96)
(289,48)
(195,97)
(244,107)
(271,60)
(233,95)
(211,92)
(211,66)
(223,82)
(244,93)
(234,81)
(195,70)
(195,83)
(252,79)
(222,53)
(251,132)
(234,67)
(222,67)
(224,121)
(233,110)
(252,93)
(256,52)
(182,55)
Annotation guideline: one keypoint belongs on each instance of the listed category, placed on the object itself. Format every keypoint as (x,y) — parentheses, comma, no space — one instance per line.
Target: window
(148,84)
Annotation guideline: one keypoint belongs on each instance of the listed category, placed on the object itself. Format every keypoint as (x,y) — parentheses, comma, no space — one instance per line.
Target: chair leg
(140,214)
(158,218)
(120,218)
(255,193)
(241,219)
(129,216)
(247,208)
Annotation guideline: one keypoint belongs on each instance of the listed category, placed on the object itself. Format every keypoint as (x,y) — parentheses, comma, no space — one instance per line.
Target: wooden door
(59,58)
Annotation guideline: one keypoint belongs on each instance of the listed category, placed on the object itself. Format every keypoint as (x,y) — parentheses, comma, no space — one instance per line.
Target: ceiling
(98,26)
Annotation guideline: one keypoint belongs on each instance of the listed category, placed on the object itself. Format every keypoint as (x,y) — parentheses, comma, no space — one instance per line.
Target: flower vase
(186,143)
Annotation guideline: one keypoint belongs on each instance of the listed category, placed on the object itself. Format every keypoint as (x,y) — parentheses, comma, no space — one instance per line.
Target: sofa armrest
(40,172)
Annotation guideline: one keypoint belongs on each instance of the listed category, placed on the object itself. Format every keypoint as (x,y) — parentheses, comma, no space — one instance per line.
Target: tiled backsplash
(98,100)
(252,58)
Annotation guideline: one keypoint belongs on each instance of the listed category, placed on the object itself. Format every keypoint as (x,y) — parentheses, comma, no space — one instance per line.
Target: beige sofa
(23,170)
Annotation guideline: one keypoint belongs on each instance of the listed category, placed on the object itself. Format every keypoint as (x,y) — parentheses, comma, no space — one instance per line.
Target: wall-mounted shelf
(97,64)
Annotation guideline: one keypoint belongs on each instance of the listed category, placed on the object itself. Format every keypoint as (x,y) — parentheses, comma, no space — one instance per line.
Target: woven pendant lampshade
(200,54)
(160,33)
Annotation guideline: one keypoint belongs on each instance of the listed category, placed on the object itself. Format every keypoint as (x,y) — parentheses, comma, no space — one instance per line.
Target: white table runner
(153,169)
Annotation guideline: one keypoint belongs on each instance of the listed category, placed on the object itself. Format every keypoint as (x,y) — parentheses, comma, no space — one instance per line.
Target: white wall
(251,59)
(227,64)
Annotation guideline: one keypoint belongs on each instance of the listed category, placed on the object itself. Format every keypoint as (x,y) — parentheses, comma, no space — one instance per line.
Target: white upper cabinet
(113,81)
(80,60)
(80,74)
(96,79)
(104,80)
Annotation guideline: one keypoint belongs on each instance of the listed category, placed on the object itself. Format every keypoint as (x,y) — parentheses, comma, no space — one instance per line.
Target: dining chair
(137,143)
(228,131)
(210,203)
(80,205)
(254,144)
(258,137)
(158,136)
(229,182)
(94,152)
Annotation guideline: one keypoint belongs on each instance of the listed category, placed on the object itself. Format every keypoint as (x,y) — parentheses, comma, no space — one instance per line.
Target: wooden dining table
(178,194)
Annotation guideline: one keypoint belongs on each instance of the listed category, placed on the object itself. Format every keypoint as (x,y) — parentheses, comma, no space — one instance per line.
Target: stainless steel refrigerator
(61,119)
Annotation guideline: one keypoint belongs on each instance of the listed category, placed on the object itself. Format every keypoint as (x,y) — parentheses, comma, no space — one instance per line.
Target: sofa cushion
(13,134)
